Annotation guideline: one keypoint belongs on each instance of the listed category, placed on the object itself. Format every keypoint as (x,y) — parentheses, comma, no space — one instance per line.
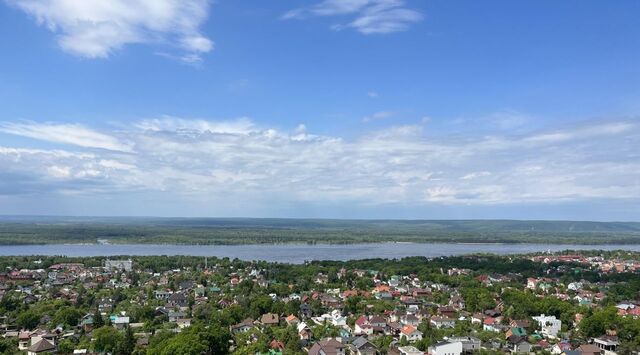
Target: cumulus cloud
(98,28)
(211,160)
(367,16)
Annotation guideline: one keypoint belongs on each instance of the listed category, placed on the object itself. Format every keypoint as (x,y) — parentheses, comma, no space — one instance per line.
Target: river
(297,253)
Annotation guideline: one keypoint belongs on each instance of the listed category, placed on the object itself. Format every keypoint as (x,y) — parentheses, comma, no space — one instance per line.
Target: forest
(201,231)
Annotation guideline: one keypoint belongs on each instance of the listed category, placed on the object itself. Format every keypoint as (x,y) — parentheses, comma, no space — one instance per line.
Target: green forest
(46,230)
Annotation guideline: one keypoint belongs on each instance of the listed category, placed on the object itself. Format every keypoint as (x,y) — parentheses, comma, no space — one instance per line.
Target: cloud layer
(365,16)
(98,28)
(212,160)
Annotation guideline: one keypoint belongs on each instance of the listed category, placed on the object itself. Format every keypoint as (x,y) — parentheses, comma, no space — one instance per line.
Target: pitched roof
(326,347)
(42,345)
(269,318)
(408,329)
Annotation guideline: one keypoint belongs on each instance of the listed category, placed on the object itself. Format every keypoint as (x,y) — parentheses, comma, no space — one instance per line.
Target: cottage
(411,333)
(328,347)
(440,322)
(242,327)
(43,346)
(269,319)
(608,344)
(470,345)
(549,325)
(362,346)
(446,348)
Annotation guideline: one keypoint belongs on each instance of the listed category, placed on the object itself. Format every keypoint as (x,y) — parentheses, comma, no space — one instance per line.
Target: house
(362,346)
(448,312)
(522,323)
(276,345)
(177,300)
(410,319)
(519,331)
(608,344)
(457,303)
(183,323)
(477,318)
(125,265)
(269,319)
(378,322)
(43,346)
(119,322)
(409,350)
(589,349)
(87,323)
(440,322)
(518,344)
(549,325)
(174,316)
(162,295)
(105,305)
(305,310)
(328,347)
(304,332)
(292,320)
(411,333)
(337,319)
(470,345)
(446,348)
(491,324)
(23,340)
(242,327)
(560,347)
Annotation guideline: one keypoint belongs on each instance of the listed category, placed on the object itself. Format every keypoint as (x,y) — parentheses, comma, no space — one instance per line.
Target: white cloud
(367,16)
(605,129)
(73,134)
(372,94)
(98,28)
(475,175)
(212,160)
(175,124)
(377,116)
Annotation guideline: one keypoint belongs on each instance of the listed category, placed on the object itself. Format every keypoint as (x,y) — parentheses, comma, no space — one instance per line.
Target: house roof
(269,318)
(42,345)
(408,329)
(589,349)
(326,347)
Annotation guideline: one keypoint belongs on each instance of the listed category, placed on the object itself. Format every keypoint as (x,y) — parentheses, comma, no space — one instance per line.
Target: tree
(106,339)
(65,347)
(599,322)
(68,316)
(7,346)
(218,338)
(127,343)
(28,319)
(98,321)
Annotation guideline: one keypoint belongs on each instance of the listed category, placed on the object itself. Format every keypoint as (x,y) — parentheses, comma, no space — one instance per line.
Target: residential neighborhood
(477,304)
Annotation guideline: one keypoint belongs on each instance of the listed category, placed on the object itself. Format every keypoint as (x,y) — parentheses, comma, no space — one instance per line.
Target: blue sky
(335,108)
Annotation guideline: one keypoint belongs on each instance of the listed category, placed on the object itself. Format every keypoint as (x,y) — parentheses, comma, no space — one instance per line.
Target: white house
(549,325)
(469,344)
(409,350)
(411,333)
(446,348)
(575,286)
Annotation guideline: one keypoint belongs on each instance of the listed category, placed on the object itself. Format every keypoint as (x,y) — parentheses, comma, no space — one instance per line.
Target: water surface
(297,253)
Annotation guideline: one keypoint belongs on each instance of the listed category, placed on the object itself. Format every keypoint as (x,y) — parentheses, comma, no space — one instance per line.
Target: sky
(411,109)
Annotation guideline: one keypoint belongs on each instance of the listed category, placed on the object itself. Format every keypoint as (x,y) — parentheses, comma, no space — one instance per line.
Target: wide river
(297,253)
